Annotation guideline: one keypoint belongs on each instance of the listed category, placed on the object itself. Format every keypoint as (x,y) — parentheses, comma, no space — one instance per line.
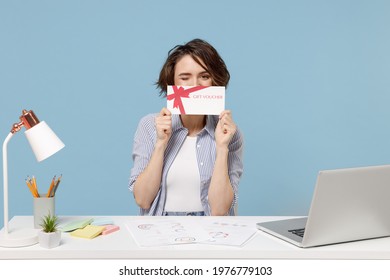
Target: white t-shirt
(183,180)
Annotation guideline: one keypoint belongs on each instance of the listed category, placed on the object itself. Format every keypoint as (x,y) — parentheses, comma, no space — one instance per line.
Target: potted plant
(49,237)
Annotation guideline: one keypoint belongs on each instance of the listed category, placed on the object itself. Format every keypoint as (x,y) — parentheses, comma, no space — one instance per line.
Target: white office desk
(120,245)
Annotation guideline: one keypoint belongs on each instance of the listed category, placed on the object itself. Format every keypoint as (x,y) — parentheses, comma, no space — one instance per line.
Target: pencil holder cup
(43,206)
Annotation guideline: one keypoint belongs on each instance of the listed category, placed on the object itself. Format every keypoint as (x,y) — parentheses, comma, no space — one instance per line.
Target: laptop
(347,205)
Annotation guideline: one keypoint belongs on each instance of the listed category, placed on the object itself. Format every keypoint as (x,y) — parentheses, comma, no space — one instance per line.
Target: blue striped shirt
(145,139)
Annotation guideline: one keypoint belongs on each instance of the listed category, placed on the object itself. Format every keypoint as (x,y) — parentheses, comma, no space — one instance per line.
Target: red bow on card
(180,92)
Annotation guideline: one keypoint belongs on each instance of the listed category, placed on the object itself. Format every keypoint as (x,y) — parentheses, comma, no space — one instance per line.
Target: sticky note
(76,225)
(110,229)
(89,231)
(102,221)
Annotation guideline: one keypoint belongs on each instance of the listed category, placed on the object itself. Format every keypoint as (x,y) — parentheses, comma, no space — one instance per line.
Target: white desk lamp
(44,144)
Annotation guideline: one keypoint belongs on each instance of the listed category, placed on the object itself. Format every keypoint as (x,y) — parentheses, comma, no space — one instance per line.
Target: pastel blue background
(310,90)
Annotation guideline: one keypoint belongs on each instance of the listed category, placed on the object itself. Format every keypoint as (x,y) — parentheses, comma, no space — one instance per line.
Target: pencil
(51,187)
(31,188)
(56,185)
(35,185)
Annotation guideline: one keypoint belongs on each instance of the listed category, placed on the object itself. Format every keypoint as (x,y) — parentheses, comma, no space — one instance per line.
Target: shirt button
(201,163)
(198,146)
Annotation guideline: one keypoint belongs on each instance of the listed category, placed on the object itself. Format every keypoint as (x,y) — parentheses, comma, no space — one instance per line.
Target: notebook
(347,205)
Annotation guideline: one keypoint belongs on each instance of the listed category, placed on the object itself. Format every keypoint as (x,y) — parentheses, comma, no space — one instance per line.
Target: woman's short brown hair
(199,50)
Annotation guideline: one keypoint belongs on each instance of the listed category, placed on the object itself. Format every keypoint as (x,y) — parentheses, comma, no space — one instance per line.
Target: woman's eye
(205,77)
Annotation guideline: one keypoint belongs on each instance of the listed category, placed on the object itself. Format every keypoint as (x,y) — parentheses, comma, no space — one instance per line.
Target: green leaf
(49,223)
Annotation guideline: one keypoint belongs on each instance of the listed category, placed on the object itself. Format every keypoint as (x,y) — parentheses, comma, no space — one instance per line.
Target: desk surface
(121,245)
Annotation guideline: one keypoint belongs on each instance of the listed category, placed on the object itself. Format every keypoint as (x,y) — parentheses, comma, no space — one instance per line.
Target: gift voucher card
(196,100)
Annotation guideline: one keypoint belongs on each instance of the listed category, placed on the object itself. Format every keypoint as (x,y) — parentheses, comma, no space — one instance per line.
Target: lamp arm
(5,182)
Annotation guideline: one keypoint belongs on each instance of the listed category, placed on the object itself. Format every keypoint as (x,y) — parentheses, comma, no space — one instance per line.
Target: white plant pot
(49,239)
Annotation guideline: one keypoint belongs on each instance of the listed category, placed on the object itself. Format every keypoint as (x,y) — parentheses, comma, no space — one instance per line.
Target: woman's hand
(163,124)
(225,129)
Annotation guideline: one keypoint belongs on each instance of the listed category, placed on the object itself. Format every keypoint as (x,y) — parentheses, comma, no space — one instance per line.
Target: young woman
(188,164)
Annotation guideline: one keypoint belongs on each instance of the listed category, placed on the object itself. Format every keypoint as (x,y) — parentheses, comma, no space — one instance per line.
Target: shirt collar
(211,123)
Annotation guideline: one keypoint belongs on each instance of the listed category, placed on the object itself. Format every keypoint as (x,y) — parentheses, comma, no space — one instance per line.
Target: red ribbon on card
(180,92)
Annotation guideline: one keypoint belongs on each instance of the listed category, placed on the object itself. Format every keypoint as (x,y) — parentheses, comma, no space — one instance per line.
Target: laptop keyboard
(299,231)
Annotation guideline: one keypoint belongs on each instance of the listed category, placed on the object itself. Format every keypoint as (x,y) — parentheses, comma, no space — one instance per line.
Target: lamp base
(18,238)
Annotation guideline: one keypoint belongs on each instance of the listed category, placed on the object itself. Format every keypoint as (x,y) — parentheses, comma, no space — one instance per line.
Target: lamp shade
(43,141)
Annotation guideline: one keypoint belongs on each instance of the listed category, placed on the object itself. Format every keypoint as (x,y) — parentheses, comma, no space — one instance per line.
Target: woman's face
(189,73)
